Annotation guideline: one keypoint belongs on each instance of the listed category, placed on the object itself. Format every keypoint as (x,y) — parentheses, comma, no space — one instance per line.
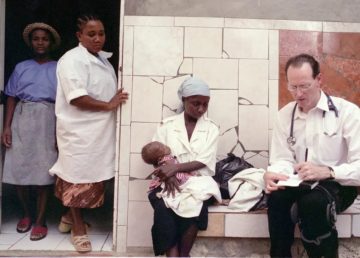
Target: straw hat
(39,25)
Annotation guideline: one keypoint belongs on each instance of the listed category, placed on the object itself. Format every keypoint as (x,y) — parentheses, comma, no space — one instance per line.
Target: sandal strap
(81,239)
(39,230)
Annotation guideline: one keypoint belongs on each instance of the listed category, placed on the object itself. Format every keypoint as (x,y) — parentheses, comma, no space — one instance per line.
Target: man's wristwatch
(332,173)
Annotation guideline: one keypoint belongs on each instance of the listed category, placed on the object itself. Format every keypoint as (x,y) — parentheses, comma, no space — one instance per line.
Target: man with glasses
(316,137)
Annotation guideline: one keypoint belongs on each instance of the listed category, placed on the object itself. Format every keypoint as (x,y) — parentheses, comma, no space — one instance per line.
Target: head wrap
(193,86)
(43,26)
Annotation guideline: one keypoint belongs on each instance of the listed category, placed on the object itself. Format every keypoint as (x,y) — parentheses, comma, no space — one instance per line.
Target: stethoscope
(291,140)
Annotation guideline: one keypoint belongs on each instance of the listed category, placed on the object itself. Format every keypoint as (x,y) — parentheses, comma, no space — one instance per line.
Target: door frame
(119,235)
(2,72)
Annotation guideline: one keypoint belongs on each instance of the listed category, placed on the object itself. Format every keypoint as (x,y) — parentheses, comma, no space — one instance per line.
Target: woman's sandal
(24,225)
(65,225)
(38,233)
(82,243)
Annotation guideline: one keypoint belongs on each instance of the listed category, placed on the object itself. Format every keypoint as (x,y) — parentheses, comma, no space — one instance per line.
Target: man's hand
(171,186)
(271,179)
(309,171)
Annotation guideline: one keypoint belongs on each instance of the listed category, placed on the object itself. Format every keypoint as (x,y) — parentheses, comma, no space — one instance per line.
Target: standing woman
(192,138)
(85,111)
(29,126)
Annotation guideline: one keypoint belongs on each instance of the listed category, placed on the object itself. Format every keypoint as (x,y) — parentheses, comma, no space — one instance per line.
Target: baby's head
(152,152)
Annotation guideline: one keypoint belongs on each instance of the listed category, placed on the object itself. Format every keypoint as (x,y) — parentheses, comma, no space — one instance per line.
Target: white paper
(293,181)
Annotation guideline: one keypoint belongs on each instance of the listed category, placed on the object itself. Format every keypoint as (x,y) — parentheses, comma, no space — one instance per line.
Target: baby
(157,154)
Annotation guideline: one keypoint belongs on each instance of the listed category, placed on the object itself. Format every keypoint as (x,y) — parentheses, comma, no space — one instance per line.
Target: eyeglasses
(301,87)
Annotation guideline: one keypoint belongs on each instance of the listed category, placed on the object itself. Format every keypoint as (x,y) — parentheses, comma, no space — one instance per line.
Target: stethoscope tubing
(291,140)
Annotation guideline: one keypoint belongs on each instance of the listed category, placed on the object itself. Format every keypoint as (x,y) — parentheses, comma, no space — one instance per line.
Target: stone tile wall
(239,59)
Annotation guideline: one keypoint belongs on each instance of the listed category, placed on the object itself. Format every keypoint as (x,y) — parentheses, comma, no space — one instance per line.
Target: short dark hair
(299,60)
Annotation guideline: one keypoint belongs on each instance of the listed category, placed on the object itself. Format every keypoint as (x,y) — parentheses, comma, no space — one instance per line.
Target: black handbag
(226,169)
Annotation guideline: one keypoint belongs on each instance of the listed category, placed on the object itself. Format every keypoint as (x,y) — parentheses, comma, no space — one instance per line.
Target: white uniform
(331,141)
(86,139)
(202,146)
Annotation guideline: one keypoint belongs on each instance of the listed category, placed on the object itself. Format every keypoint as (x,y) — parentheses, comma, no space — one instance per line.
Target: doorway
(61,14)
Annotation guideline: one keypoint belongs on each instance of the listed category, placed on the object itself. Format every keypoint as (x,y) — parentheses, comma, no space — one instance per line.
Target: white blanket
(194,192)
(251,184)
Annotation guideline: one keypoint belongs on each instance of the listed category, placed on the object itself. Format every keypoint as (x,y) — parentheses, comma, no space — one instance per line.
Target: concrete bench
(224,222)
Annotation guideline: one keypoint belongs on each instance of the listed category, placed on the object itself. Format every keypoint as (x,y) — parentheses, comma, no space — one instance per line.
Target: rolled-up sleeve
(73,77)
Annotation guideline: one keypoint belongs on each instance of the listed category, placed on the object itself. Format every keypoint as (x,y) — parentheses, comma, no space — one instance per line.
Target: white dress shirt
(86,139)
(202,146)
(330,140)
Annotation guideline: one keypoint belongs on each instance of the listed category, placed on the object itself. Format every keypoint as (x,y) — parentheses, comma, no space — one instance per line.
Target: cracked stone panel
(248,23)
(141,134)
(297,25)
(157,50)
(227,142)
(223,108)
(167,112)
(274,54)
(124,152)
(356,225)
(270,138)
(128,50)
(199,21)
(218,73)
(126,108)
(122,200)
(239,150)
(253,81)
(258,160)
(273,101)
(246,43)
(186,66)
(203,42)
(251,117)
(138,168)
(138,190)
(149,20)
(171,86)
(147,99)
(341,27)
(140,223)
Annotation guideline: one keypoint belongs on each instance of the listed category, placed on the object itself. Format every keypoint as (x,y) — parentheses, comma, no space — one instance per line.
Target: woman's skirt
(90,195)
(33,150)
(168,227)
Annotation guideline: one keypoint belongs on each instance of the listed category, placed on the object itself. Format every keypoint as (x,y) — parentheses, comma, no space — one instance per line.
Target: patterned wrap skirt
(33,150)
(89,195)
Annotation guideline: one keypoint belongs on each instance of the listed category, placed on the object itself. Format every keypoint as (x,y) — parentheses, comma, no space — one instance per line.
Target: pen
(306,157)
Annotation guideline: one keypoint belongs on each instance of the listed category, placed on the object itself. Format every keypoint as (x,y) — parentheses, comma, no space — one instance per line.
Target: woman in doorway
(85,111)
(192,138)
(29,127)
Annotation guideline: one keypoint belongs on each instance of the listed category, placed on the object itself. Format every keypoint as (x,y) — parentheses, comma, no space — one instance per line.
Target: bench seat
(224,222)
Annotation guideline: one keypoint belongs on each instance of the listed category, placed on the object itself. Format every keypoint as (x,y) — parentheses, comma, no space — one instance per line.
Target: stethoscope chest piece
(291,140)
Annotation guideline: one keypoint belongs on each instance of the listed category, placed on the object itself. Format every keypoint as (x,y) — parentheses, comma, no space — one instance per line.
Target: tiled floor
(100,231)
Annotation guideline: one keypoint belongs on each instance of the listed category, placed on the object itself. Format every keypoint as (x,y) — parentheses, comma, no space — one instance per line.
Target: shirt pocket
(330,148)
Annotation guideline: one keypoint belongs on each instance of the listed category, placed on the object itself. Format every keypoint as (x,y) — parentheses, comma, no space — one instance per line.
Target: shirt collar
(102,54)
(323,102)
(321,105)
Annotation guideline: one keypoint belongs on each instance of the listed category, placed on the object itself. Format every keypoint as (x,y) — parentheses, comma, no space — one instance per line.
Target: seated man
(317,137)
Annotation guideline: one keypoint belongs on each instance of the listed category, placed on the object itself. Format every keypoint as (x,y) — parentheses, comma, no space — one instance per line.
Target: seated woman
(193,139)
